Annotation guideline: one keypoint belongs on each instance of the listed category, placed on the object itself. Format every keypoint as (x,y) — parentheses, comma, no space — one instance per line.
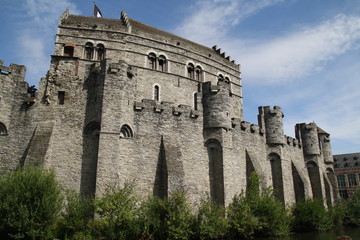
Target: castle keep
(123,101)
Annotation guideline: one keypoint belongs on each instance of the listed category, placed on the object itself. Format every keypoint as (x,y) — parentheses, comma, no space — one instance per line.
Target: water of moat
(352,232)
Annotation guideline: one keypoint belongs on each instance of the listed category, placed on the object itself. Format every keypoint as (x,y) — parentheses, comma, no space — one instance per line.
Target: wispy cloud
(301,52)
(36,34)
(211,20)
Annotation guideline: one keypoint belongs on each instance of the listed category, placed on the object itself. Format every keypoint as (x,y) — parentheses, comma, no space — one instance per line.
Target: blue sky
(303,55)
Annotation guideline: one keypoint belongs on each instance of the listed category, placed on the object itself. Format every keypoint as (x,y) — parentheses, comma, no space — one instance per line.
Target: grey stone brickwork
(124,101)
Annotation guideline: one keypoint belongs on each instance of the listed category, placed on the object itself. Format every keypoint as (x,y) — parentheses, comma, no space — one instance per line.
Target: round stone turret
(326,147)
(274,125)
(309,137)
(216,104)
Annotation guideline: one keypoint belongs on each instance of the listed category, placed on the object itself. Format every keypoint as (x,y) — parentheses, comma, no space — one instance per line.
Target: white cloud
(212,19)
(300,53)
(37,33)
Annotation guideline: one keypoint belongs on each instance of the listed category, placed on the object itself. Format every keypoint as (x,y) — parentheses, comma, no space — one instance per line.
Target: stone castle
(124,101)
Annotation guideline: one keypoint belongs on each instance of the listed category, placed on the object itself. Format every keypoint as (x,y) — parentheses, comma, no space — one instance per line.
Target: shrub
(353,209)
(30,201)
(167,218)
(311,215)
(258,213)
(210,222)
(75,218)
(242,223)
(117,213)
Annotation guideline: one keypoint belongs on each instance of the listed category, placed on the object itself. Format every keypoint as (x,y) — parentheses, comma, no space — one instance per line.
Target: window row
(91,52)
(156,96)
(160,63)
(157,62)
(351,180)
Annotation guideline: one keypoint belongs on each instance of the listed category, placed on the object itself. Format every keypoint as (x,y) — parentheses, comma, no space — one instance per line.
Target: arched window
(156,93)
(198,73)
(220,77)
(152,61)
(227,79)
(3,130)
(190,71)
(162,63)
(126,132)
(89,50)
(100,52)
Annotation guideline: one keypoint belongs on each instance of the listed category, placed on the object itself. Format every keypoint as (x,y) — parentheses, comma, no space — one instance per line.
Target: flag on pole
(97,12)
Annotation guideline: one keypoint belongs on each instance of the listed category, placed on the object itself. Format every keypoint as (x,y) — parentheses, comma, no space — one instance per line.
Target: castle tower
(216,104)
(272,119)
(309,137)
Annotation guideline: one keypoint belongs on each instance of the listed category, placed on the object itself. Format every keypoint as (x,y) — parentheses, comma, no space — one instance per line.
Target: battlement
(290,141)
(166,107)
(12,69)
(223,54)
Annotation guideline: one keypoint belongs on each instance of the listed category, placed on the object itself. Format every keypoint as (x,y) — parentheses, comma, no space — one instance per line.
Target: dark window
(100,52)
(162,63)
(198,73)
(341,180)
(352,179)
(89,50)
(3,130)
(126,132)
(61,97)
(152,61)
(343,194)
(195,101)
(190,71)
(68,51)
(156,93)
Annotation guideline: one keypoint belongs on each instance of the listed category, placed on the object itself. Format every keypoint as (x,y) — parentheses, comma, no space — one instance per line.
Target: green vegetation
(258,213)
(31,203)
(311,215)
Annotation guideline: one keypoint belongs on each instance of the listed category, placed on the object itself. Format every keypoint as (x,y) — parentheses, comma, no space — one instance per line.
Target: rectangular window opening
(61,97)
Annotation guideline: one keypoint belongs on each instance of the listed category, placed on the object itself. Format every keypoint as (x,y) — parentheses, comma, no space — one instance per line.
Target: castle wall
(99,122)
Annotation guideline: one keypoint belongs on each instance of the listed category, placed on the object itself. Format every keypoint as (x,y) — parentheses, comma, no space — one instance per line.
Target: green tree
(311,215)
(30,201)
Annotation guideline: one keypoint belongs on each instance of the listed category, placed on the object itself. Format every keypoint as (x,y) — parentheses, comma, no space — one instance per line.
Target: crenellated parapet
(308,133)
(166,108)
(272,119)
(216,104)
(14,70)
(222,54)
(290,141)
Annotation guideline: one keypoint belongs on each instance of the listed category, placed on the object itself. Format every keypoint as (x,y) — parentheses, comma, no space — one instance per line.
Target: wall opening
(89,159)
(100,52)
(299,188)
(216,171)
(156,93)
(89,50)
(61,97)
(126,132)
(68,51)
(3,129)
(315,180)
(276,172)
